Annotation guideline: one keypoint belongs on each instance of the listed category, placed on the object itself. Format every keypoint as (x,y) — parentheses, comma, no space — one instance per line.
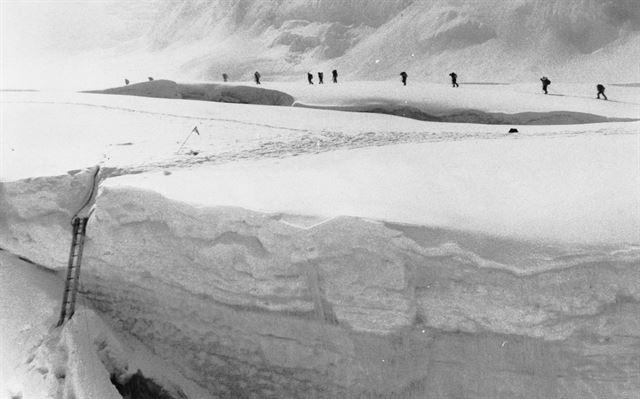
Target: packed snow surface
(557,189)
(476,103)
(292,252)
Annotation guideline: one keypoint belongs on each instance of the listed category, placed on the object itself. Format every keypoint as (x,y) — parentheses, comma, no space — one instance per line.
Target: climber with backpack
(601,91)
(545,83)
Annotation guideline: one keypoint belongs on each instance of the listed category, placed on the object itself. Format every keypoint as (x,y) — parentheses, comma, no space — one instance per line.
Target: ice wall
(35,215)
(248,305)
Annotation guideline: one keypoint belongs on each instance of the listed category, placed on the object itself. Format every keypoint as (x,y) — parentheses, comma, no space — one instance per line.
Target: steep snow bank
(273,305)
(204,92)
(441,100)
(247,303)
(506,104)
(77,360)
(257,302)
(474,116)
(250,303)
(34,210)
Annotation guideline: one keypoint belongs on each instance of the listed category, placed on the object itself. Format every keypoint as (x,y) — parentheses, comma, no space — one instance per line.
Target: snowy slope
(306,253)
(83,45)
(504,104)
(490,40)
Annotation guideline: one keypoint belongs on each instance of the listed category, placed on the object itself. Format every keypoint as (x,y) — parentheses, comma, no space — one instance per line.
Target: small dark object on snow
(309,78)
(225,77)
(545,83)
(454,79)
(141,387)
(126,82)
(404,78)
(513,130)
(320,78)
(256,77)
(150,79)
(601,91)
(193,152)
(334,75)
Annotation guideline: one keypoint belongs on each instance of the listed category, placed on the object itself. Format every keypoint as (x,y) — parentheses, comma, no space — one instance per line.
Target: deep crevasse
(246,304)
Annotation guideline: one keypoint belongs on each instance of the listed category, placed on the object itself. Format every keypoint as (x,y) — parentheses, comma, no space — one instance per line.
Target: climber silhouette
(256,77)
(126,82)
(310,78)
(454,79)
(404,75)
(225,77)
(545,83)
(320,78)
(601,91)
(334,75)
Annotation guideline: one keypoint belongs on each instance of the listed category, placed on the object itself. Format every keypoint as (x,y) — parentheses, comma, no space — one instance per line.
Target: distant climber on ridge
(404,75)
(256,77)
(126,82)
(545,83)
(225,77)
(601,91)
(454,79)
(320,78)
(150,79)
(334,75)
(310,78)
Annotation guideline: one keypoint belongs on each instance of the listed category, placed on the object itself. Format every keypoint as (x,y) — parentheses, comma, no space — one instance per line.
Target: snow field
(547,189)
(287,260)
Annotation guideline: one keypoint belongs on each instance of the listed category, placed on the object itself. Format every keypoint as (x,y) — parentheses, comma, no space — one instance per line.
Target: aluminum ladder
(73,269)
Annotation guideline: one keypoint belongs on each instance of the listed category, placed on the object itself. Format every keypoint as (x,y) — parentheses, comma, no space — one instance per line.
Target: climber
(454,79)
(334,74)
(126,82)
(310,78)
(150,79)
(256,77)
(320,78)
(545,83)
(225,77)
(404,75)
(601,91)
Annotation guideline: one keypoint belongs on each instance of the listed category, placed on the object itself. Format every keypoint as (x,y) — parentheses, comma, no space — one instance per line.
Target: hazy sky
(47,42)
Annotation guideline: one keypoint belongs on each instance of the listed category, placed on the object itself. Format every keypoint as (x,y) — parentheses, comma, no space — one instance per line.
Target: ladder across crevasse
(73,269)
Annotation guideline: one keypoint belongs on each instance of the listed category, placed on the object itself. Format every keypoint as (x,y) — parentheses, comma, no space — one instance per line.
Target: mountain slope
(491,40)
(82,45)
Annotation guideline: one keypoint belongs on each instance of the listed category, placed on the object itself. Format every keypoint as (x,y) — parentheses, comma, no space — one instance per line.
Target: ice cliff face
(493,40)
(248,305)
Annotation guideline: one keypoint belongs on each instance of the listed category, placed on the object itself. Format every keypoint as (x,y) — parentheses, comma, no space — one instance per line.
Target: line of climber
(403,78)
